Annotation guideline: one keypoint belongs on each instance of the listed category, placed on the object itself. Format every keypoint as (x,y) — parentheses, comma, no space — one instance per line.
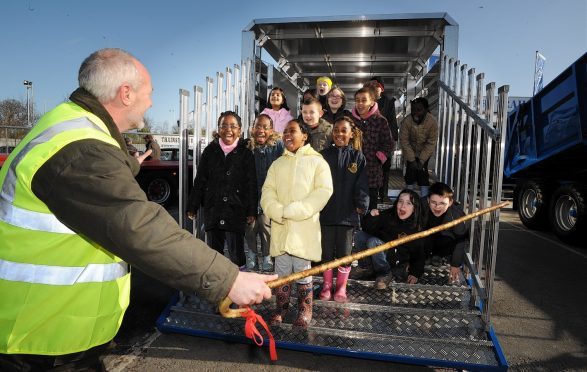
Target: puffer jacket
(265,155)
(351,188)
(226,187)
(297,187)
(418,140)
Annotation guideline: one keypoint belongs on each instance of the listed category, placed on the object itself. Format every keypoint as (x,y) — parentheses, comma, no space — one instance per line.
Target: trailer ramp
(432,323)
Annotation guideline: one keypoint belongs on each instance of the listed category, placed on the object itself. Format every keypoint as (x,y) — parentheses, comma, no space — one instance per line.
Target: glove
(413,165)
(381,156)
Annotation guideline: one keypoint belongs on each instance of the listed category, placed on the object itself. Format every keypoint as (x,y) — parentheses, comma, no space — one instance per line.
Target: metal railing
(230,94)
(10,136)
(470,158)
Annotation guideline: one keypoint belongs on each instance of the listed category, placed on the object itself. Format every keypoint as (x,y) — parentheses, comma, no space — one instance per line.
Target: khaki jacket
(418,140)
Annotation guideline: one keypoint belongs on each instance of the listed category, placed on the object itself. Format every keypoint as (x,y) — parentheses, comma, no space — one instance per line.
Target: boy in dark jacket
(226,187)
(450,243)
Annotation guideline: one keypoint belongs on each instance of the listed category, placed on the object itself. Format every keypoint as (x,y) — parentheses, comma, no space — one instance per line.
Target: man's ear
(126,94)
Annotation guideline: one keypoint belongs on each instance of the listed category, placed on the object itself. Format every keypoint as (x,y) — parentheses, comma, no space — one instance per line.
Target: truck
(429,323)
(546,156)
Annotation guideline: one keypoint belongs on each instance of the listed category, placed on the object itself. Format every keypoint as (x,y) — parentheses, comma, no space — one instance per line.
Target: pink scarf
(373,110)
(227,148)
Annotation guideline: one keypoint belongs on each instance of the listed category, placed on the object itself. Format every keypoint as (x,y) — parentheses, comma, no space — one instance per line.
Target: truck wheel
(533,205)
(568,213)
(159,190)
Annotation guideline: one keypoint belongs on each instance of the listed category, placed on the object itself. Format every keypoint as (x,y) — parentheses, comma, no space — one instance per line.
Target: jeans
(378,260)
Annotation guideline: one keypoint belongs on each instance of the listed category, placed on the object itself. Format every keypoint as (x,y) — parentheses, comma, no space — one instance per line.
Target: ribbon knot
(251,331)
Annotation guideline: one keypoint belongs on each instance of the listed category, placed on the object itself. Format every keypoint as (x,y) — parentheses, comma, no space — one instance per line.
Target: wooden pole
(224,306)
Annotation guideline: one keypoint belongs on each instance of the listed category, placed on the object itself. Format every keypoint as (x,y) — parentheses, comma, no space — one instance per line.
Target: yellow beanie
(325,79)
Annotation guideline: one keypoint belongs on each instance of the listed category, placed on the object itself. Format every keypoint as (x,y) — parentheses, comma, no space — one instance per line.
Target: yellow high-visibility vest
(59,293)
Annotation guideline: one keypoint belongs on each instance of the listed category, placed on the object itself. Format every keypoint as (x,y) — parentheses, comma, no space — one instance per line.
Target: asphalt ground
(539,314)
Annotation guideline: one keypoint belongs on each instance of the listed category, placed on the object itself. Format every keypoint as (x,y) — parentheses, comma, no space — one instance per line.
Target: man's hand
(191,215)
(250,288)
(412,279)
(374,212)
(250,219)
(454,274)
(142,158)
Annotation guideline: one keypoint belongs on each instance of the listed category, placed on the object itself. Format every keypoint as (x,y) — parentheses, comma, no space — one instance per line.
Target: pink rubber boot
(341,280)
(326,293)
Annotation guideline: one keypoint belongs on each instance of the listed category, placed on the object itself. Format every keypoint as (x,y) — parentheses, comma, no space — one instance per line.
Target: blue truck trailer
(546,154)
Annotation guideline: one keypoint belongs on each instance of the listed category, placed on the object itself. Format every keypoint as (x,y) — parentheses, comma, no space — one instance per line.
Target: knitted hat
(378,81)
(325,79)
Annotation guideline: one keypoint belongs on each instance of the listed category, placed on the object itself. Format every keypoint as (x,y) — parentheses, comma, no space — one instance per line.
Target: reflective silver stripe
(30,220)
(46,135)
(25,218)
(61,275)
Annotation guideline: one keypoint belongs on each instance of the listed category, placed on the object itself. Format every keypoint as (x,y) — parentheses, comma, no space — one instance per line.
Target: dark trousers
(337,241)
(419,176)
(234,240)
(89,360)
(373,198)
(383,190)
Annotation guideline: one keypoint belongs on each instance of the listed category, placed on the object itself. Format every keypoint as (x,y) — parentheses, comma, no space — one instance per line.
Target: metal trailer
(433,322)
(547,155)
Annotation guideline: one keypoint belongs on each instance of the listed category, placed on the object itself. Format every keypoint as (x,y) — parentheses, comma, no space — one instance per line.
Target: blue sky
(181,42)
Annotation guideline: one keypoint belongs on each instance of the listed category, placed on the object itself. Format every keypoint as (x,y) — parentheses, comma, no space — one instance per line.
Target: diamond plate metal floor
(431,323)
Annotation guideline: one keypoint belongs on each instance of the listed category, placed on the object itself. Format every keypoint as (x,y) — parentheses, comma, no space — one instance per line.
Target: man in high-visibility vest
(72,216)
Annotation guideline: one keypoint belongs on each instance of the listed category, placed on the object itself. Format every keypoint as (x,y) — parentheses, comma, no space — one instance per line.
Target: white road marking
(120,363)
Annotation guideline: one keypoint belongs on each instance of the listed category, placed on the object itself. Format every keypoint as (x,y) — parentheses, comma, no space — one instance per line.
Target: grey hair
(105,70)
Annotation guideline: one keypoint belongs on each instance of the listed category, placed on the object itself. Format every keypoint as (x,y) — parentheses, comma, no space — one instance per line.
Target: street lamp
(29,102)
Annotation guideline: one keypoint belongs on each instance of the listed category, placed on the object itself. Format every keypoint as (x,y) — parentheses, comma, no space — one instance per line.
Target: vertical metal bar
(228,92)
(219,95)
(497,181)
(237,90)
(466,199)
(485,173)
(455,121)
(445,118)
(461,128)
(197,152)
(448,126)
(184,107)
(209,108)
(441,94)
(476,140)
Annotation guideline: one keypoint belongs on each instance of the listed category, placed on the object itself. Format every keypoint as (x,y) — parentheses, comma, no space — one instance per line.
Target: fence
(470,157)
(10,136)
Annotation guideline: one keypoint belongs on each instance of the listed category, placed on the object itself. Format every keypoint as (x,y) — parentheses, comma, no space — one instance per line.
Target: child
(349,201)
(418,137)
(226,187)
(406,262)
(278,110)
(335,108)
(297,187)
(451,243)
(377,142)
(267,146)
(308,94)
(323,85)
(320,129)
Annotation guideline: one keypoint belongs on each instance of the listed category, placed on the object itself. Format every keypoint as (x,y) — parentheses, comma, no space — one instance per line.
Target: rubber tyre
(532,203)
(159,190)
(568,213)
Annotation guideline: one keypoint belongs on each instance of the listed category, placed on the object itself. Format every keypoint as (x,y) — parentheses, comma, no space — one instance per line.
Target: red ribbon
(253,333)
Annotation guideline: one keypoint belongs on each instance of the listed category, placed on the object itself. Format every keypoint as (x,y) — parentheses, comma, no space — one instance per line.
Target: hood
(271,141)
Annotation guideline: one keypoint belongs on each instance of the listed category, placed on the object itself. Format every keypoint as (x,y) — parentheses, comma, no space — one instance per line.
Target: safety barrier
(470,157)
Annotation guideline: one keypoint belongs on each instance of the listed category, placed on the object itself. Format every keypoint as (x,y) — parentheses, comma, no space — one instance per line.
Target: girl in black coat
(406,262)
(350,199)
(226,188)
